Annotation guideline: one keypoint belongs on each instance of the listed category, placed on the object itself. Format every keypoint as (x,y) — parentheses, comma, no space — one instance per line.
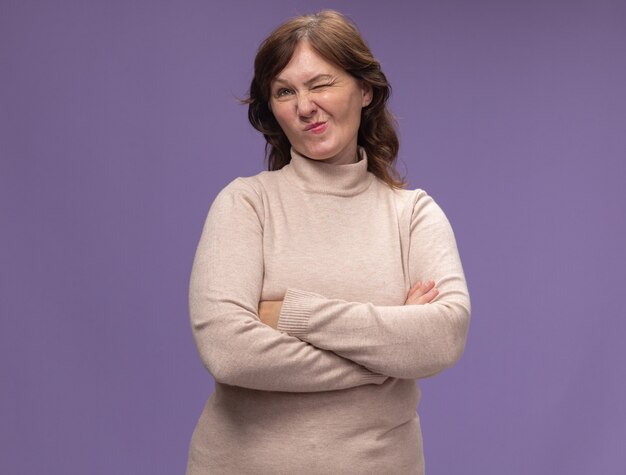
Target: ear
(367,94)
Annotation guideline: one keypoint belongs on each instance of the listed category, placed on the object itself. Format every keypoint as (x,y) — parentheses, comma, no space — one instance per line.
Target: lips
(315,127)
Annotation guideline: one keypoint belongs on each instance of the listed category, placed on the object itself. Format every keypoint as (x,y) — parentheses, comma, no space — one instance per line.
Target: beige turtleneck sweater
(333,390)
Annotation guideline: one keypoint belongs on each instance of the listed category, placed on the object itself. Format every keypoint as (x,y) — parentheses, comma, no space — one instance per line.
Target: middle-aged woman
(321,289)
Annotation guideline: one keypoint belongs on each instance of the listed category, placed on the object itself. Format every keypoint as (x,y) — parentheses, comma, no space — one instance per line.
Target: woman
(321,290)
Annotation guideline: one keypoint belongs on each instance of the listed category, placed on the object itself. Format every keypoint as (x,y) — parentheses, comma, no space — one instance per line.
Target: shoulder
(248,187)
(249,194)
(428,217)
(258,184)
(419,208)
(407,201)
(238,198)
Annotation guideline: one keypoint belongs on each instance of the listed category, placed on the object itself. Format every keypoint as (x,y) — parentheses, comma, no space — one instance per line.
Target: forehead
(306,63)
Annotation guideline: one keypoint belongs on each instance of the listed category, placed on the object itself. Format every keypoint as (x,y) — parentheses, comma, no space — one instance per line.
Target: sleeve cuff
(294,320)
(372,378)
(295,313)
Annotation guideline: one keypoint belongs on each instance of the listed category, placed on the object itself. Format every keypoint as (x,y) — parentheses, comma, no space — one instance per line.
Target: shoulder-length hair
(338,41)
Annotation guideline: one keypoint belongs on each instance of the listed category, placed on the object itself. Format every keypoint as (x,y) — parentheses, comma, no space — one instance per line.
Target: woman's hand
(269,311)
(422,293)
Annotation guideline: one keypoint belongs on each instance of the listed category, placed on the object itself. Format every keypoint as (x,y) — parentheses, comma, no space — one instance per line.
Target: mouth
(316,127)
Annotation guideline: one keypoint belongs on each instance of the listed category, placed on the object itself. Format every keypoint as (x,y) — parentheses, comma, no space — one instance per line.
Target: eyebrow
(308,82)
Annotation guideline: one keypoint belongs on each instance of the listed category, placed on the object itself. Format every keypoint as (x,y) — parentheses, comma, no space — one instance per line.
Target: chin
(320,154)
(320,158)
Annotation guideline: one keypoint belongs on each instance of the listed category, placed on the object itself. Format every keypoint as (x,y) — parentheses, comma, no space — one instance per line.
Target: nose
(305,106)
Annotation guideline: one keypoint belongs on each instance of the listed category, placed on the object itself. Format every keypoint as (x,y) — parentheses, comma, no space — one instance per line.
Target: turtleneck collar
(319,177)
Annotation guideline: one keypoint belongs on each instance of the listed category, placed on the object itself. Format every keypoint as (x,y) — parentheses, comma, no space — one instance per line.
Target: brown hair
(337,40)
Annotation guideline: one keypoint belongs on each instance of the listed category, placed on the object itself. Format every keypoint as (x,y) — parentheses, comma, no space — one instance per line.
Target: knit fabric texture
(333,389)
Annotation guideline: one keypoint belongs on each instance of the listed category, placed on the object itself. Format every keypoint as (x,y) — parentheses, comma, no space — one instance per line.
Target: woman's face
(318,106)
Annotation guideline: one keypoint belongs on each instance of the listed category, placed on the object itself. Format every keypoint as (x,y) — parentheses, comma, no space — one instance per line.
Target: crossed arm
(421,293)
(322,344)
(234,345)
(418,339)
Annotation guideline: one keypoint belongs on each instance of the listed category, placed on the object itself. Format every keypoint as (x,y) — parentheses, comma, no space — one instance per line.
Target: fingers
(422,293)
(421,288)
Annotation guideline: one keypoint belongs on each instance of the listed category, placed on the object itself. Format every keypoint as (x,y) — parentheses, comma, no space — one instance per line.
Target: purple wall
(119,124)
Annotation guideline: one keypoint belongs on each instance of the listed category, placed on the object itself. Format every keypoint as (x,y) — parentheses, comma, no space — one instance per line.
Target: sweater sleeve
(404,341)
(224,294)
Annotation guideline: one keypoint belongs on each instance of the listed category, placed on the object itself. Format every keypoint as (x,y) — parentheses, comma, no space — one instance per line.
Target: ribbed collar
(319,177)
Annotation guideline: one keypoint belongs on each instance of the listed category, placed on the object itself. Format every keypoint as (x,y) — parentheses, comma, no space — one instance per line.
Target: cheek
(351,107)
(284,124)
(280,114)
(353,116)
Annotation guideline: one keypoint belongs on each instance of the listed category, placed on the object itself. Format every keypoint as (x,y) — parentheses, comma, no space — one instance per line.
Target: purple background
(119,124)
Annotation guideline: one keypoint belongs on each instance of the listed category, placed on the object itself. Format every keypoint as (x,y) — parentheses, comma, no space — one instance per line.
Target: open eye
(283,92)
